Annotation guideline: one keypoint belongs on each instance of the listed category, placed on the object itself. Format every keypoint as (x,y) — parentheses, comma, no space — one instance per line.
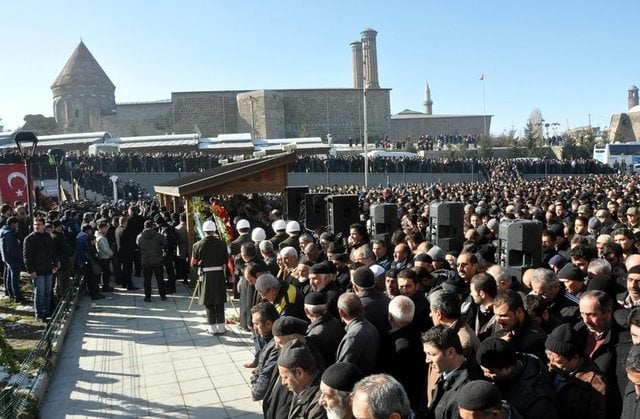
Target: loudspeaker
(315,210)
(294,197)
(384,218)
(342,211)
(519,246)
(446,222)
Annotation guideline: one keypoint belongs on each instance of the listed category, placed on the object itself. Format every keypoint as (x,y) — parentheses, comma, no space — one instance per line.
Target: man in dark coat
(603,336)
(401,351)
(12,258)
(210,256)
(516,325)
(64,253)
(41,262)
(360,344)
(299,372)
(151,244)
(374,302)
(125,248)
(325,330)
(442,347)
(631,402)
(263,315)
(523,379)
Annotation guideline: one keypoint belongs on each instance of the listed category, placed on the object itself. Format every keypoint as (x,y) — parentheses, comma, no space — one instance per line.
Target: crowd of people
(349,326)
(406,315)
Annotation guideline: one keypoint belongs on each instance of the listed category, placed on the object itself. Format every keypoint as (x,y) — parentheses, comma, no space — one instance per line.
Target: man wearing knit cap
(374,302)
(522,378)
(299,372)
(324,329)
(336,385)
(573,279)
(579,386)
(481,399)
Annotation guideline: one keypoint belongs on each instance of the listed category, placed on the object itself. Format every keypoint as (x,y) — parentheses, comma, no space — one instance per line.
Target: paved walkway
(124,358)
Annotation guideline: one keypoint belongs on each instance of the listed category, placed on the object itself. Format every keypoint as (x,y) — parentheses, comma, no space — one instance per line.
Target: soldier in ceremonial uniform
(210,256)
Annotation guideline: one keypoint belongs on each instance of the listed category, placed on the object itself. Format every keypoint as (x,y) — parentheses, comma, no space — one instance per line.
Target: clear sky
(568,58)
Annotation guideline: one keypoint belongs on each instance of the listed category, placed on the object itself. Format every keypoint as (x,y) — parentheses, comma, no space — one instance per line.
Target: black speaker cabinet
(519,246)
(315,210)
(446,223)
(384,218)
(342,211)
(294,197)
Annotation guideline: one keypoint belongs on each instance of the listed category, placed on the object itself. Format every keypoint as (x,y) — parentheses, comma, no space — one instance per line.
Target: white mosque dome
(634,109)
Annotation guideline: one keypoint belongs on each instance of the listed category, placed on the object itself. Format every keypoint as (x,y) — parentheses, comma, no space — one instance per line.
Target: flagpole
(484,105)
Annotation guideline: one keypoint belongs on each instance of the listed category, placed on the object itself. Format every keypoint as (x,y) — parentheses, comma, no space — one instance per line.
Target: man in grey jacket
(151,244)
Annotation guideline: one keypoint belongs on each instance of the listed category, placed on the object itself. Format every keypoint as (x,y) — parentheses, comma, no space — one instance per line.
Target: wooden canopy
(264,174)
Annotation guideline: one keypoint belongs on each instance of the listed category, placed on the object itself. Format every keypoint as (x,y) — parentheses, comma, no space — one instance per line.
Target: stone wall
(277,114)
(435,125)
(318,112)
(133,119)
(212,113)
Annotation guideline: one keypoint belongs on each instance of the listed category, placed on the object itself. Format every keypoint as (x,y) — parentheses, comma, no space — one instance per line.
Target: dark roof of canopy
(264,174)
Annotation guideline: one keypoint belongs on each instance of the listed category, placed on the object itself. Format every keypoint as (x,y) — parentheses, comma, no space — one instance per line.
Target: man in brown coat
(580,388)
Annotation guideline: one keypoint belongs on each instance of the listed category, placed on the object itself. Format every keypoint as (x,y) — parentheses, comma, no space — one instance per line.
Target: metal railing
(20,398)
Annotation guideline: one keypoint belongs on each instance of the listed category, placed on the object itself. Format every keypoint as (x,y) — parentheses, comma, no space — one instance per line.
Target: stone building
(625,126)
(84,101)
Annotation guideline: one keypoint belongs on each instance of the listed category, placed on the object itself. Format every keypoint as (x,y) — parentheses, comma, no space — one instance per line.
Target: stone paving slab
(124,358)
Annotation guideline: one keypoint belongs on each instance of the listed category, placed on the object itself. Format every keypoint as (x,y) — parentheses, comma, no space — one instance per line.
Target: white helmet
(242,224)
(258,234)
(279,225)
(209,226)
(292,226)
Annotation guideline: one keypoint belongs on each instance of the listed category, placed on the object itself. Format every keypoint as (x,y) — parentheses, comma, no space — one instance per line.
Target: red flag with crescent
(13,183)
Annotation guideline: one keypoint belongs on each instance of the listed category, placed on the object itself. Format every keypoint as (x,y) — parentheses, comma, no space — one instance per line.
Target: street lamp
(26,141)
(57,154)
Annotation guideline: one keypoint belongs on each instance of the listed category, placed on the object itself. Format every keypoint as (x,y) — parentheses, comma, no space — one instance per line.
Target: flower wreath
(218,215)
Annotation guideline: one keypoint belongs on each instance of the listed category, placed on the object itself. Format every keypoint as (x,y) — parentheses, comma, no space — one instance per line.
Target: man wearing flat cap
(481,399)
(299,372)
(336,385)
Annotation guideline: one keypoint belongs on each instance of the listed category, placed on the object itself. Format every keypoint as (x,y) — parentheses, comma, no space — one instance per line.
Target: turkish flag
(13,183)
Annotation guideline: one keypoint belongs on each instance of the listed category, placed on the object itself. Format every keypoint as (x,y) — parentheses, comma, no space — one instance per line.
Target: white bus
(610,154)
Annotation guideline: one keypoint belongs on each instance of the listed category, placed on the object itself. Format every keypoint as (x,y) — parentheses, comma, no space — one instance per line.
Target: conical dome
(82,69)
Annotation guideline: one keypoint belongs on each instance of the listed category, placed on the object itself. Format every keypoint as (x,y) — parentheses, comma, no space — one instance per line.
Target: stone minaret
(428,103)
(633,97)
(82,93)
(370,57)
(356,62)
